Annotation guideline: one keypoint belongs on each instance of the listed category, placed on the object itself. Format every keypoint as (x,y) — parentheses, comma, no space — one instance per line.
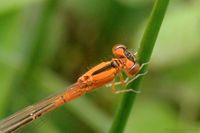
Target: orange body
(92,80)
(97,76)
(106,72)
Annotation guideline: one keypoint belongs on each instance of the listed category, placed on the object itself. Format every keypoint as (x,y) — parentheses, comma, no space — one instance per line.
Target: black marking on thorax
(113,64)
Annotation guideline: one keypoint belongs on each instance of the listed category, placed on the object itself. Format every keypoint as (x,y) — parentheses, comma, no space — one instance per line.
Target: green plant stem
(144,54)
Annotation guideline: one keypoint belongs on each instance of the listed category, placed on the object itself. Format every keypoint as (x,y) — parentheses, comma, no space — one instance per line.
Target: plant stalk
(144,54)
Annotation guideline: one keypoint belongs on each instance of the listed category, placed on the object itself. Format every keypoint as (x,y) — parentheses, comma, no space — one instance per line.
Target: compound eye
(129,55)
(118,50)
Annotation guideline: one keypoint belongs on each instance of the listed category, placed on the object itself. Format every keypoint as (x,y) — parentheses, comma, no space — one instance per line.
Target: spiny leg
(127,80)
(113,87)
(122,81)
(114,91)
(127,90)
(143,64)
(115,83)
(136,76)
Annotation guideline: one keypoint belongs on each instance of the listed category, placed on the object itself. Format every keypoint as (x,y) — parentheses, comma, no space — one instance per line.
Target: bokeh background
(45,45)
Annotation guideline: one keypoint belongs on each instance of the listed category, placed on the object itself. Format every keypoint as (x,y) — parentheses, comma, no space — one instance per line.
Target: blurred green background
(45,45)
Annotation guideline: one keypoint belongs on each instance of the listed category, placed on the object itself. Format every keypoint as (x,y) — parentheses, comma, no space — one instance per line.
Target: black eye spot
(129,55)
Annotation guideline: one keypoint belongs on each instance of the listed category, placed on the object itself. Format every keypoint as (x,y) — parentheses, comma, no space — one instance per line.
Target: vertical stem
(144,54)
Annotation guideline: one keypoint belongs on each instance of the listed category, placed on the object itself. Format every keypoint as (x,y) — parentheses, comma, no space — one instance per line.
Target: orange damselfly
(97,76)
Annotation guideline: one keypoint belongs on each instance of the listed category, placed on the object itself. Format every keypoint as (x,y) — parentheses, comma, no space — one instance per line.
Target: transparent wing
(30,113)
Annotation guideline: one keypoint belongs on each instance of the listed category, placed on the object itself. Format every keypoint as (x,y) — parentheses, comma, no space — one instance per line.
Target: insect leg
(136,76)
(127,90)
(143,64)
